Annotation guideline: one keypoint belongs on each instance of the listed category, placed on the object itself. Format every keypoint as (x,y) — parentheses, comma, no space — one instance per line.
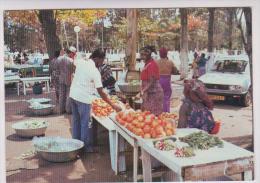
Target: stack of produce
(184,152)
(145,124)
(165,145)
(102,109)
(201,140)
(173,117)
(167,115)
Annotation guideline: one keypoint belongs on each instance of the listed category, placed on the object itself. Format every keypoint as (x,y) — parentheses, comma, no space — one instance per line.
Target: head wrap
(163,52)
(195,90)
(72,49)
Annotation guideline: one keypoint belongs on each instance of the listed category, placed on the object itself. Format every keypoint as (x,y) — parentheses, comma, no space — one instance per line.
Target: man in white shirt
(86,81)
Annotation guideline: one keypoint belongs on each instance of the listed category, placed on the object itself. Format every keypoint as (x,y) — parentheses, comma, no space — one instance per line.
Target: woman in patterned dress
(195,109)
(152,93)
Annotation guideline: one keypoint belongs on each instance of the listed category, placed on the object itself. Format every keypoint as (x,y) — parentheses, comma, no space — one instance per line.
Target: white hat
(73,49)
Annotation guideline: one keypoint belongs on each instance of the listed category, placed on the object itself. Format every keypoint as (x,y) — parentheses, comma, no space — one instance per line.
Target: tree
(211,29)
(184,43)
(48,21)
(230,27)
(131,38)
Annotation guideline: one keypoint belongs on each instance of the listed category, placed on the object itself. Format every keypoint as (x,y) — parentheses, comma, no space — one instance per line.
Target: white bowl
(26,129)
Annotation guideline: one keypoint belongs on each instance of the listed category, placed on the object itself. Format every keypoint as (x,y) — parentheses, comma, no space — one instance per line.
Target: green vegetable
(201,140)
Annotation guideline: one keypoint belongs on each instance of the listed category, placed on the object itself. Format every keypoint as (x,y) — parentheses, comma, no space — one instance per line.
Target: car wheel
(246,99)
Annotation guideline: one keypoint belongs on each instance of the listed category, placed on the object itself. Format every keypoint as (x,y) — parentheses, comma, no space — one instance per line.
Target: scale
(129,91)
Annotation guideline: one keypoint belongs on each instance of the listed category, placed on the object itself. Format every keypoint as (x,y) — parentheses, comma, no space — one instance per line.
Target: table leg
(24,90)
(112,140)
(247,175)
(18,92)
(116,75)
(135,163)
(48,86)
(121,158)
(146,164)
(116,154)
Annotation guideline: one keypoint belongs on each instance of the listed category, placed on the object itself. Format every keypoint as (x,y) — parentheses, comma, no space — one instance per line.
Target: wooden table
(107,123)
(117,70)
(13,79)
(206,164)
(35,79)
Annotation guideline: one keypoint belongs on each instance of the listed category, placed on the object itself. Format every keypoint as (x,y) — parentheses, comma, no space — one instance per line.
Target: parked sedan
(229,78)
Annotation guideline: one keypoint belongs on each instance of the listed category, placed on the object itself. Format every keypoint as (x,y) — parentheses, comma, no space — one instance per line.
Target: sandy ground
(95,167)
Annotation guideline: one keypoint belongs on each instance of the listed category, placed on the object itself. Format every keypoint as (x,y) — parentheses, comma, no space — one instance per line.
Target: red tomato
(129,119)
(135,122)
(140,118)
(146,129)
(147,136)
(169,132)
(129,127)
(159,129)
(154,123)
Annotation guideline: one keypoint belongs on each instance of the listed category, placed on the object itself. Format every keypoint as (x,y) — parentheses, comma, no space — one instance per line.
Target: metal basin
(56,155)
(23,130)
(129,89)
(42,109)
(40,100)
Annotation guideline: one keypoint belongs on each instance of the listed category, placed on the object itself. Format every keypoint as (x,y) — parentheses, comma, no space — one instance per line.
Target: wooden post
(131,38)
(184,44)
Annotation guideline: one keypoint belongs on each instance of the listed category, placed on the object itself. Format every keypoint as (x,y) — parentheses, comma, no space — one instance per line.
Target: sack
(110,81)
(37,89)
(201,118)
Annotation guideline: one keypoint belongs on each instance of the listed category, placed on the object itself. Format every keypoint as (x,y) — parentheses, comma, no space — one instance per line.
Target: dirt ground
(92,167)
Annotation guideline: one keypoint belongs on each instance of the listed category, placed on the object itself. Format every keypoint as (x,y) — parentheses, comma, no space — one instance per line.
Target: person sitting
(195,109)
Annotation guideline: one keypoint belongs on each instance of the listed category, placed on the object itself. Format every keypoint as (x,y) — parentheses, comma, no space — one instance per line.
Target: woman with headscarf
(195,109)
(151,92)
(166,68)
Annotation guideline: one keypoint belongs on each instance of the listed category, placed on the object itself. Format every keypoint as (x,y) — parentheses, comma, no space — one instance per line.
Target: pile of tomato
(101,109)
(166,115)
(145,124)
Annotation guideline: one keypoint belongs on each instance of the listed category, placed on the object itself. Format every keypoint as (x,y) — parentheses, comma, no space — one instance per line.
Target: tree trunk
(131,38)
(184,44)
(211,29)
(48,21)
(230,27)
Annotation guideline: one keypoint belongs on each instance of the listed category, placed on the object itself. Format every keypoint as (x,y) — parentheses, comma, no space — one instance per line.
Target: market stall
(188,153)
(132,129)
(203,164)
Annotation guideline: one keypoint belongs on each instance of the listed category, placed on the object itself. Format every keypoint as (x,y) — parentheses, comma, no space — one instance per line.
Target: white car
(229,78)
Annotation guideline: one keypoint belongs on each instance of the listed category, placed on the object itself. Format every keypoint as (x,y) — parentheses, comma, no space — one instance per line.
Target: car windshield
(230,66)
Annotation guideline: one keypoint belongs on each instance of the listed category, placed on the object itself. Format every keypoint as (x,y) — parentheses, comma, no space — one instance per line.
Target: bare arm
(104,96)
(182,123)
(151,80)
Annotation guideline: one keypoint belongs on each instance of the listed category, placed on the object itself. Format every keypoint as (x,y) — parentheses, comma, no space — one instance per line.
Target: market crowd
(78,81)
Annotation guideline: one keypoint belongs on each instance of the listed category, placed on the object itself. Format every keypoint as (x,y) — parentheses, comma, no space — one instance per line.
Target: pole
(77,34)
(102,35)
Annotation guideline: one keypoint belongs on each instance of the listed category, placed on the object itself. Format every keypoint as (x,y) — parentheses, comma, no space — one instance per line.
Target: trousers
(81,123)
(64,100)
